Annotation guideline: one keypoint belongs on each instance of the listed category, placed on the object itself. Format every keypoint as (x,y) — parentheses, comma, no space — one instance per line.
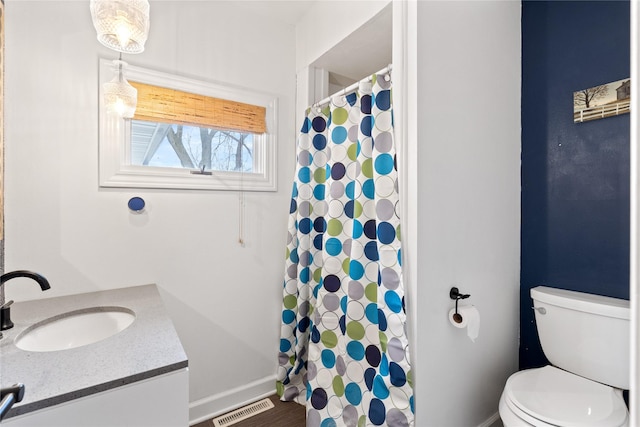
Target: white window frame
(115,169)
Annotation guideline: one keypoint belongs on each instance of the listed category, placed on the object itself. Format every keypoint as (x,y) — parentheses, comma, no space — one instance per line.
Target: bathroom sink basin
(75,329)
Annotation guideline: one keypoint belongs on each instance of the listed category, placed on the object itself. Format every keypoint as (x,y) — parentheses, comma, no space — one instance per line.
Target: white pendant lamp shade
(122,25)
(119,96)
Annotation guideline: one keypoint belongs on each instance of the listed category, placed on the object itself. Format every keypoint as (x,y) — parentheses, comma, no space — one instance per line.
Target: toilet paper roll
(468,317)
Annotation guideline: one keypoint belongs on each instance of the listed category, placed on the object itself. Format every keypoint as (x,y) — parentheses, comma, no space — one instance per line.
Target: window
(188,134)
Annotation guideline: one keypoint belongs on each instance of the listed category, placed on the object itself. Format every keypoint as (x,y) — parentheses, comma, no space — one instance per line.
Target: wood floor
(285,414)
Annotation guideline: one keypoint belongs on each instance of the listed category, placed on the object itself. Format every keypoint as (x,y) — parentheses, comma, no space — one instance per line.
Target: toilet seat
(549,396)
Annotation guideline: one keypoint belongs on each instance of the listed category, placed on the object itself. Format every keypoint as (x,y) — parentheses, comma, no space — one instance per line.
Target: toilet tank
(585,334)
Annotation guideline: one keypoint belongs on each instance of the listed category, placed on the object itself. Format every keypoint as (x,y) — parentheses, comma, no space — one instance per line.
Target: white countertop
(148,347)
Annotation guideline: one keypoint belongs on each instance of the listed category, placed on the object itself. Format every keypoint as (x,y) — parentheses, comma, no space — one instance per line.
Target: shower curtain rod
(351,88)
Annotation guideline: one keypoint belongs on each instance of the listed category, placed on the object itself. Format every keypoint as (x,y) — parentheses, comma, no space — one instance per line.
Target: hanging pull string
(241,210)
(349,89)
(241,218)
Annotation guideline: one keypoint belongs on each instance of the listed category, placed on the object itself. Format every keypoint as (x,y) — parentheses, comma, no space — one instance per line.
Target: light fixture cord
(120,67)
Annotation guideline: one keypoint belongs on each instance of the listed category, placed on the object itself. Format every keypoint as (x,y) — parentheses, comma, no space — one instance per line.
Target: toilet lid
(563,399)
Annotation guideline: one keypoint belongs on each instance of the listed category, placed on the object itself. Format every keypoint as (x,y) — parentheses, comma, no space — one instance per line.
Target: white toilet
(586,339)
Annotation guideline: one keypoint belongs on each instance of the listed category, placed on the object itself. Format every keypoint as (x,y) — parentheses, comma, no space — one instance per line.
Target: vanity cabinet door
(161,401)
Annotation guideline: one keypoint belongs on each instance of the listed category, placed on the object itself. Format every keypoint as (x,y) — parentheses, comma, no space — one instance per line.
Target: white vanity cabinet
(138,377)
(155,402)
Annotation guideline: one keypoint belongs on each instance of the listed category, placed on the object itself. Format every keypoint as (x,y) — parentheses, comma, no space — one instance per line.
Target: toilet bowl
(585,337)
(549,396)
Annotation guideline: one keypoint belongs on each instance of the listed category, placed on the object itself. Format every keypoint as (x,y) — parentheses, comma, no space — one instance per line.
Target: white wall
(462,155)
(323,27)
(225,300)
(327,23)
(466,159)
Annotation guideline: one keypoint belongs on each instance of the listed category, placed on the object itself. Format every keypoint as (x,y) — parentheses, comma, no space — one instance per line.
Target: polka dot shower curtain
(343,349)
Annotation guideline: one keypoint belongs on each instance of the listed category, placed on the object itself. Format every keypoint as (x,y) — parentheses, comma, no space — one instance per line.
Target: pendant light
(119,96)
(122,25)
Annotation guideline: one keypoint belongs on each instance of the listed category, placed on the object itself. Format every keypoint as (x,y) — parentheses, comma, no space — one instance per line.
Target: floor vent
(243,413)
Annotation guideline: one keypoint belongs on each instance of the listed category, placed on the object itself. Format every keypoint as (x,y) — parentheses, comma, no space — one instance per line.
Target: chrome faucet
(5,314)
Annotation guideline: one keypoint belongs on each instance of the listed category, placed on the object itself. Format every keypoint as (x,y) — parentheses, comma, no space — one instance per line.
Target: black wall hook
(455,294)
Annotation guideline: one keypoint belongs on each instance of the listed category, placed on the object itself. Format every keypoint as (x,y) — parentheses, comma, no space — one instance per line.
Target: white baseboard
(493,421)
(221,403)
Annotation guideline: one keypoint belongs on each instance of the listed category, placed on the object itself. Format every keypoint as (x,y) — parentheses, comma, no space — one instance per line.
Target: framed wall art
(602,101)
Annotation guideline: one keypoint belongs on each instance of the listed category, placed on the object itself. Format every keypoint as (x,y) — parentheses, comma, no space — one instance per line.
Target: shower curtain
(343,349)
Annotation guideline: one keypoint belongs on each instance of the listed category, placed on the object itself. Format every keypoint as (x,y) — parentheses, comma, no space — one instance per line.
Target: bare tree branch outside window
(193,147)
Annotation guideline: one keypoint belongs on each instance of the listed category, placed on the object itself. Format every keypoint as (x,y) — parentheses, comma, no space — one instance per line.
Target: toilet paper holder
(454,293)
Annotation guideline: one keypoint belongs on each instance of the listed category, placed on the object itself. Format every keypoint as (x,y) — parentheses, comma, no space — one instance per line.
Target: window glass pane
(191,147)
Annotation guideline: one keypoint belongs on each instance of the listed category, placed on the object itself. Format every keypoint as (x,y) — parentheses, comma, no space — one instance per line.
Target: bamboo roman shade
(160,104)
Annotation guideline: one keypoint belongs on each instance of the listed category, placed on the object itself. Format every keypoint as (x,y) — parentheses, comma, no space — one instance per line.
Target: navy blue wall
(575,177)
